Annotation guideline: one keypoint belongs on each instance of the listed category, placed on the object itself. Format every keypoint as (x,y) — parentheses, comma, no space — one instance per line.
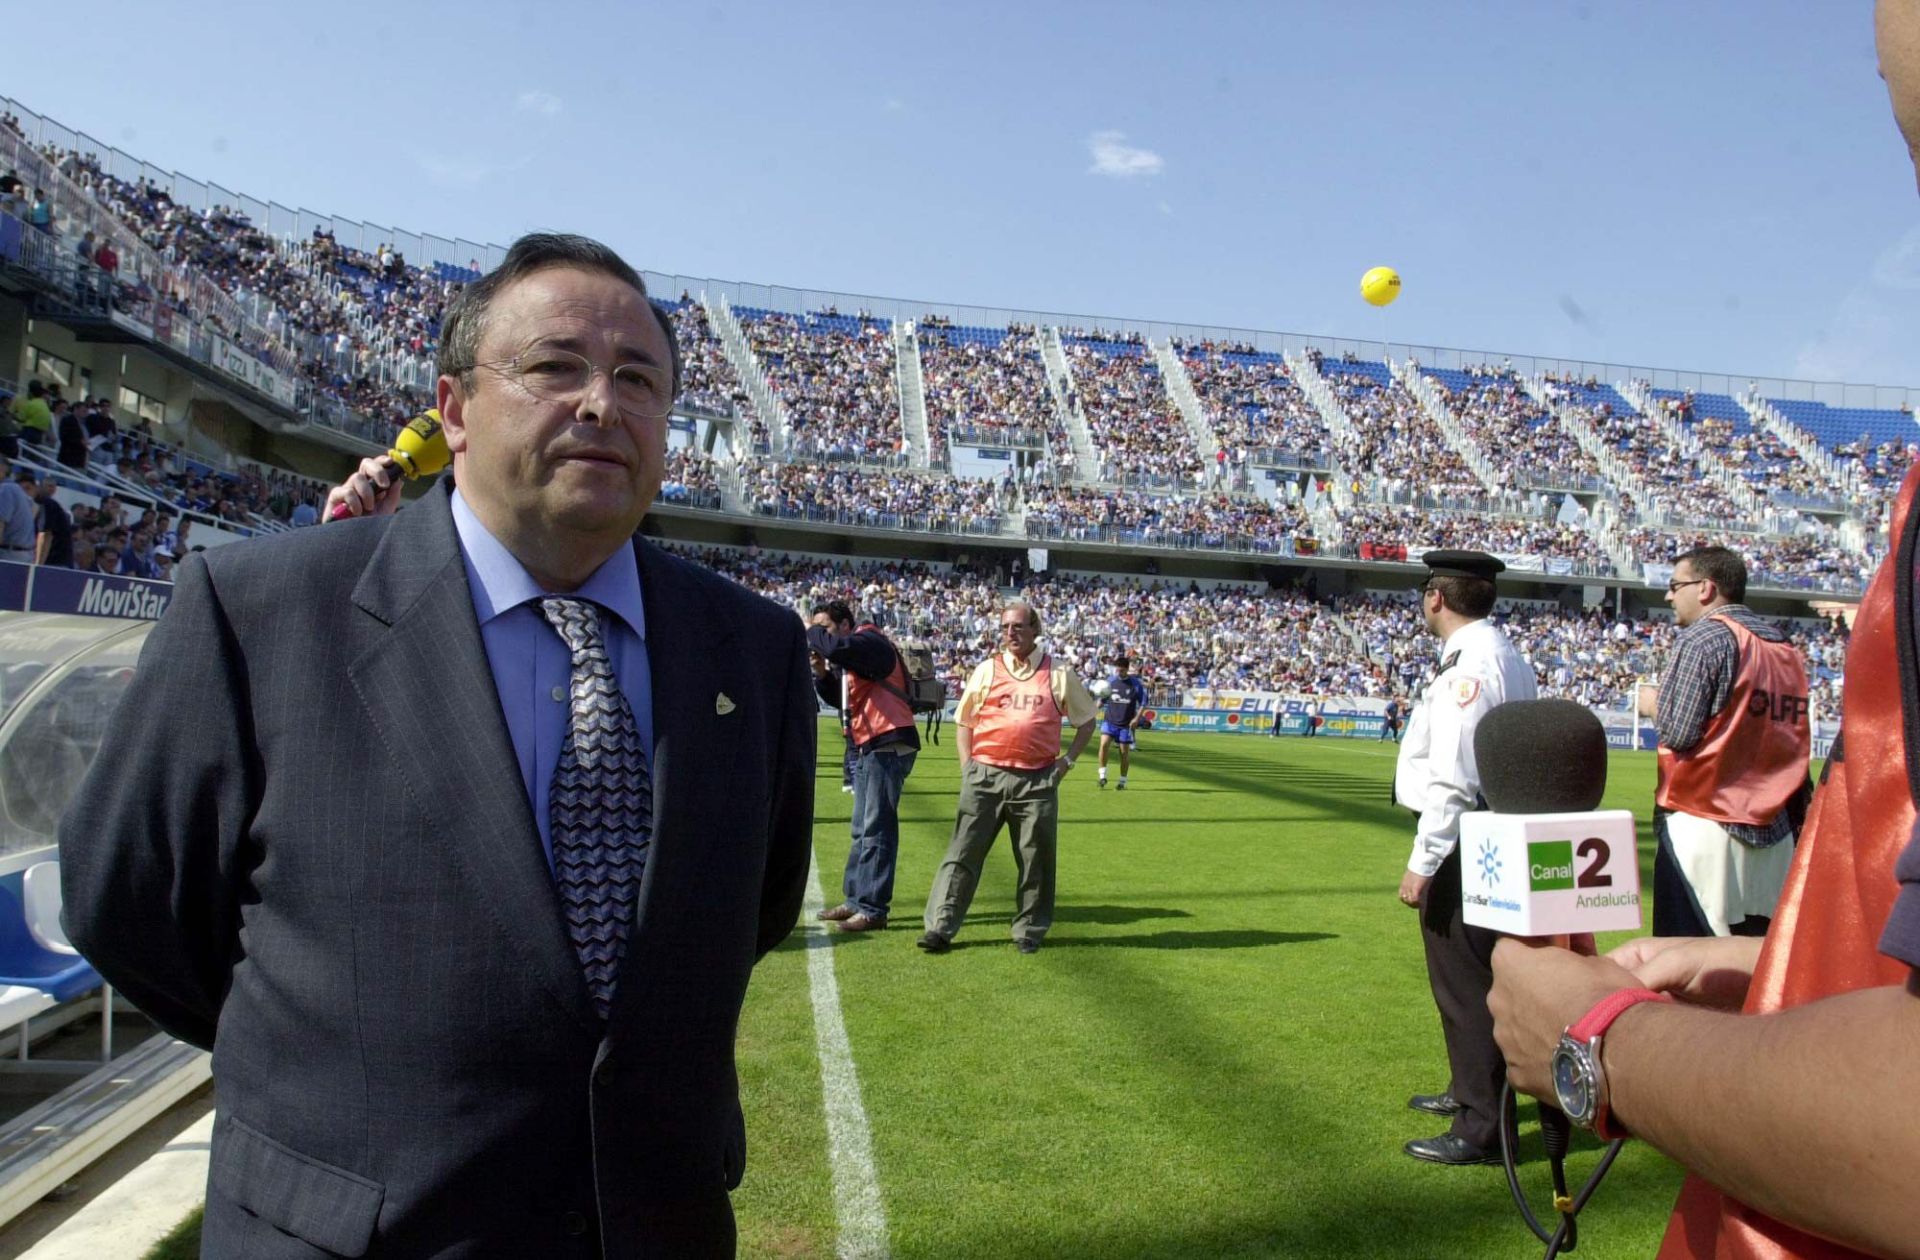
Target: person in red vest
(1799,1116)
(857,669)
(1734,746)
(1010,771)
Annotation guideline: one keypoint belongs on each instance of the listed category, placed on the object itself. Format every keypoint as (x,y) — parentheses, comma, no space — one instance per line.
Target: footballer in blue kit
(1124,704)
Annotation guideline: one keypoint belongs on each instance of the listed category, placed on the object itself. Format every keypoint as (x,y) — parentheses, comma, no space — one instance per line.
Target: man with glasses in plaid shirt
(1734,745)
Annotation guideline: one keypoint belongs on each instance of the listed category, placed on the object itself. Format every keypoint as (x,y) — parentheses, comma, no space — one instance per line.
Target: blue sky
(1715,186)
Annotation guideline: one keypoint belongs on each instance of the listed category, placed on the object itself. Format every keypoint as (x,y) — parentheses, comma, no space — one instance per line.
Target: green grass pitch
(1210,1057)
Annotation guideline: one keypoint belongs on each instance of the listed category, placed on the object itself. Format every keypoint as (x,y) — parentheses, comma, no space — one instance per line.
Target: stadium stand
(326,319)
(834,375)
(984,387)
(1255,408)
(1398,448)
(1136,429)
(1518,435)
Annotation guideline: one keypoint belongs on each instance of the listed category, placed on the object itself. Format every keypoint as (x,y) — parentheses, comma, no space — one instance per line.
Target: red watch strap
(1596,1022)
(1608,1009)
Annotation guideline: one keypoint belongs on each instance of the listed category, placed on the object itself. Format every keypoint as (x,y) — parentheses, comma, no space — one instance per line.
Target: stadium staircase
(1615,469)
(1408,373)
(1320,394)
(1086,466)
(733,343)
(1767,418)
(1709,463)
(1605,524)
(913,392)
(1173,370)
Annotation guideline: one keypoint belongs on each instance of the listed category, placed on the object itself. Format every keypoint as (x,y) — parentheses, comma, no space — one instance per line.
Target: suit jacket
(306,845)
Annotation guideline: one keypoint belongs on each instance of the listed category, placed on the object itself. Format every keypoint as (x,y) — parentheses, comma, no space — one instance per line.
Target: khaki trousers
(1027,801)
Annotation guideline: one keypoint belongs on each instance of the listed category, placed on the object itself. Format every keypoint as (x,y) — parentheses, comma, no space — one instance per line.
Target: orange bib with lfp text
(1752,755)
(1018,725)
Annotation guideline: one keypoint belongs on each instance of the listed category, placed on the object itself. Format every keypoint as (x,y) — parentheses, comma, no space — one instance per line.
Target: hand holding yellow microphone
(420,450)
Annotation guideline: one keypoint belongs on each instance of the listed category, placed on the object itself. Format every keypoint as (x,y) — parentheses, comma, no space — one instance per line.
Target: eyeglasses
(639,389)
(1674,586)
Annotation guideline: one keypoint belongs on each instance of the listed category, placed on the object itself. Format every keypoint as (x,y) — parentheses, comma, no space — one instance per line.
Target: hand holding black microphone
(1549,868)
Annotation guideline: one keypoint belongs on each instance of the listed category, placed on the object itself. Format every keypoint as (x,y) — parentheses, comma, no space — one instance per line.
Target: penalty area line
(860,1215)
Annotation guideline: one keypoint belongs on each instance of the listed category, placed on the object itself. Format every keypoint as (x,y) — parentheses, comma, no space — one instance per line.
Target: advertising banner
(44,589)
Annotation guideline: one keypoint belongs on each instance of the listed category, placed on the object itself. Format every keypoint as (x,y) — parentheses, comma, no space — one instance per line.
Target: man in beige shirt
(1010,771)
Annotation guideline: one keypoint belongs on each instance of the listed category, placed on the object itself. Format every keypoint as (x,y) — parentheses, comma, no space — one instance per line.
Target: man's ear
(450,397)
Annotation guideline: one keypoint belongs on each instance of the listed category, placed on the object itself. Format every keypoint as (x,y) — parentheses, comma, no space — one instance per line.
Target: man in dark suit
(457,834)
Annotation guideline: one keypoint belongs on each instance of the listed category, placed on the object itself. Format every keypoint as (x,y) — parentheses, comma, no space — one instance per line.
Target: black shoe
(1026,946)
(1103,780)
(1435,1104)
(1448,1149)
(934,943)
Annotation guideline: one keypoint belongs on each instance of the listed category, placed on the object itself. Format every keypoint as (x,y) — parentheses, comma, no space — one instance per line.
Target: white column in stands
(733,342)
(912,390)
(1179,385)
(1086,465)
(1321,395)
(1710,463)
(1408,373)
(1765,416)
(1569,418)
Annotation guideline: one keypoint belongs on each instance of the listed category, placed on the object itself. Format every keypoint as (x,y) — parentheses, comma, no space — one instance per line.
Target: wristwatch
(1579,1082)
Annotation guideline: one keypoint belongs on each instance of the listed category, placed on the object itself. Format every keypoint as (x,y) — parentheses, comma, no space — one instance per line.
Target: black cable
(1557,1133)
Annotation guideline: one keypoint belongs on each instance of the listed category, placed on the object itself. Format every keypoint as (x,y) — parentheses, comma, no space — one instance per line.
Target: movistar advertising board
(44,589)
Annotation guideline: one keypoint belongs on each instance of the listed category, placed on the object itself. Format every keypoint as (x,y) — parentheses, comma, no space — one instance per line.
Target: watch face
(1572,1084)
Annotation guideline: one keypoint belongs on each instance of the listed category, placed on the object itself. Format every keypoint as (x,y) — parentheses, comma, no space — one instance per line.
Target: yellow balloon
(1380,286)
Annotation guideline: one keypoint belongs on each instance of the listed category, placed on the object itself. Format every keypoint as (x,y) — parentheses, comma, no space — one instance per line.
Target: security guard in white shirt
(1437,778)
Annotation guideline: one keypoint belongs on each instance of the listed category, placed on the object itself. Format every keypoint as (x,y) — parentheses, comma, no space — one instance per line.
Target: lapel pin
(722,705)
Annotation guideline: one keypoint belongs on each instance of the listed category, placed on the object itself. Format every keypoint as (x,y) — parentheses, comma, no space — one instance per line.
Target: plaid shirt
(1698,681)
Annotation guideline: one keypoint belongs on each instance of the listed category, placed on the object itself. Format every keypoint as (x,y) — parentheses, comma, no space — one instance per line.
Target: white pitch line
(861,1216)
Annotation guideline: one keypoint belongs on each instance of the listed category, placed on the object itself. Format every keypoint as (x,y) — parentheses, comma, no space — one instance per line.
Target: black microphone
(1543,757)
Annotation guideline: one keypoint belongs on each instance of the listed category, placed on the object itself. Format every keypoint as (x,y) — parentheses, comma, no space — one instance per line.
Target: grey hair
(1033,614)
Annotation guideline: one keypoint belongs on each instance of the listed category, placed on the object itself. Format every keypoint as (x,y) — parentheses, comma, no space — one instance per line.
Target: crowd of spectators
(1525,442)
(1138,434)
(707,379)
(1877,469)
(836,386)
(859,496)
(692,480)
(1763,460)
(1182,635)
(1253,405)
(1791,562)
(1395,443)
(1544,538)
(1188,519)
(1677,486)
(983,391)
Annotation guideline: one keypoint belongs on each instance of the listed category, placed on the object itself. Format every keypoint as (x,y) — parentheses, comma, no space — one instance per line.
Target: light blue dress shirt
(516,634)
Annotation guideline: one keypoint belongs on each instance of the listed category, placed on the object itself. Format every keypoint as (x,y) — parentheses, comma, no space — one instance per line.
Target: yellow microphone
(420,450)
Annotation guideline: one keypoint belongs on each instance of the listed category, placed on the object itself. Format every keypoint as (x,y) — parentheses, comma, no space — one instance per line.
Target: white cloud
(1113,156)
(894,105)
(545,104)
(1166,209)
(453,170)
(1871,332)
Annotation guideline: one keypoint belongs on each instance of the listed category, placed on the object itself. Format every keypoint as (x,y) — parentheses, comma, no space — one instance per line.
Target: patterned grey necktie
(600,807)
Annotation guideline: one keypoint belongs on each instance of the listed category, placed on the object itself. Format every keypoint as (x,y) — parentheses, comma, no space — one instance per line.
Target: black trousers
(1460,970)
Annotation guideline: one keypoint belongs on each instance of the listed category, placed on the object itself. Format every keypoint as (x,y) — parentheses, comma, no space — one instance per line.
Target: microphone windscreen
(1541,757)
